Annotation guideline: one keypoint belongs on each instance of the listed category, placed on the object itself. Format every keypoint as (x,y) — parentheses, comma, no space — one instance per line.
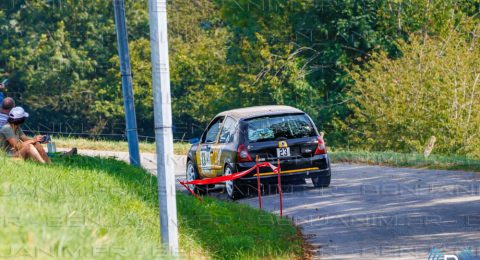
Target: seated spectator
(7,105)
(16,143)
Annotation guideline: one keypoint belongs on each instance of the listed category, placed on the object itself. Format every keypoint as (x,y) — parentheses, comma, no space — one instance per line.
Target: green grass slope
(102,208)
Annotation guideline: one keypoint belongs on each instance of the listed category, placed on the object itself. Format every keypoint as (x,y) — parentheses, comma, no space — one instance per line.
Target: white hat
(18,113)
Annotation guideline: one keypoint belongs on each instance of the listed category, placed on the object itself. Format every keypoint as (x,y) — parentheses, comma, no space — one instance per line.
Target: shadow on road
(251,191)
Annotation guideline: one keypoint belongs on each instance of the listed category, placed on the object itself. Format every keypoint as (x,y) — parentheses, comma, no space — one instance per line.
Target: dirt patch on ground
(308,249)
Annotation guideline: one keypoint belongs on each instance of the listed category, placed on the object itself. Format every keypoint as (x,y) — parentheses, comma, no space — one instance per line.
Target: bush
(433,90)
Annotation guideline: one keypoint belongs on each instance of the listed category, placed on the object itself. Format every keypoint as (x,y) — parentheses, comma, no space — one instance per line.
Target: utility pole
(163,124)
(126,72)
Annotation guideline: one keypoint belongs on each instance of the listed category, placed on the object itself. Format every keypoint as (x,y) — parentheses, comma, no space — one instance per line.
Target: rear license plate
(283,152)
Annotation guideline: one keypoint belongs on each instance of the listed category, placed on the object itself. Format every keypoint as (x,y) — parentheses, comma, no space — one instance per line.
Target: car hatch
(281,136)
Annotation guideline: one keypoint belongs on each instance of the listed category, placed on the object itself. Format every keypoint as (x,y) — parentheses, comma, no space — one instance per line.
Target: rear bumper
(287,177)
(291,169)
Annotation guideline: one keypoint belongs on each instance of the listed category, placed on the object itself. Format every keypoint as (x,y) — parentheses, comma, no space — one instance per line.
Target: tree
(61,56)
(62,59)
(433,90)
(299,52)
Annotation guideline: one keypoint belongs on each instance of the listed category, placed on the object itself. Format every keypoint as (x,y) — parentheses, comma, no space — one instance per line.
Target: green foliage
(55,54)
(299,52)
(62,60)
(433,90)
(197,54)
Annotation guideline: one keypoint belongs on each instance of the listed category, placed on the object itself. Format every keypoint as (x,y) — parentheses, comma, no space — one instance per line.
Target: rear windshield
(277,127)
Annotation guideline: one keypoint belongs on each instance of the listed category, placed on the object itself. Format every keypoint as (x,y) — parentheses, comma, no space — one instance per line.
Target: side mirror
(194,140)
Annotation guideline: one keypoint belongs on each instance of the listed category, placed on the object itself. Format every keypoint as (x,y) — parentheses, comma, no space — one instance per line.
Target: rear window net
(279,127)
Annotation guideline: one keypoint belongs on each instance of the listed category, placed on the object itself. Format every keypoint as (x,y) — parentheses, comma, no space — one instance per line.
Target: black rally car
(234,138)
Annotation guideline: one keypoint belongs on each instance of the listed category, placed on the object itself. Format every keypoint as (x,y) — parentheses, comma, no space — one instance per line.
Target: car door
(223,145)
(207,152)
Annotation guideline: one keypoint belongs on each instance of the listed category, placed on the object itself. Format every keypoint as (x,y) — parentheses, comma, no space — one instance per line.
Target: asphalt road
(372,212)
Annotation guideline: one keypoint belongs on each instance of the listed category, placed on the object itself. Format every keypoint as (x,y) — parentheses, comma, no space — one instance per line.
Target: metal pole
(163,124)
(259,191)
(126,72)
(279,172)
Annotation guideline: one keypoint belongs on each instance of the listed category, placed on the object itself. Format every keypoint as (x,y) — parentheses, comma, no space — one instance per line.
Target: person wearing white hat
(15,143)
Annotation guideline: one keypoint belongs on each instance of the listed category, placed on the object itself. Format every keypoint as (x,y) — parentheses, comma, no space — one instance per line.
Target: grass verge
(85,207)
(107,145)
(407,160)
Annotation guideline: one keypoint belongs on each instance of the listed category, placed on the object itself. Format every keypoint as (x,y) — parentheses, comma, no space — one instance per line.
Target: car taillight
(321,148)
(242,154)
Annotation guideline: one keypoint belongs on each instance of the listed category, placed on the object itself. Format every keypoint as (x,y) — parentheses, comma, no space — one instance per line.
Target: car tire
(234,190)
(192,174)
(322,181)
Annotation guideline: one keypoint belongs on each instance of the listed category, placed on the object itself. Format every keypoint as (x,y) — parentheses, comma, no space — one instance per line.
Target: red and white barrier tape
(225,178)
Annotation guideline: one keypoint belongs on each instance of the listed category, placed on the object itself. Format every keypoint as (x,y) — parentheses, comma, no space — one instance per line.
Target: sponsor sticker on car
(205,159)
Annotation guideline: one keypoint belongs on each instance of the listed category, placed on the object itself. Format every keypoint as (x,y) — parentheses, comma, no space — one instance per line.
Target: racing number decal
(283,150)
(204,160)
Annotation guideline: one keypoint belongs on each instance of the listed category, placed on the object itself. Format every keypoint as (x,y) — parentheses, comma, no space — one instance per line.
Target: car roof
(257,111)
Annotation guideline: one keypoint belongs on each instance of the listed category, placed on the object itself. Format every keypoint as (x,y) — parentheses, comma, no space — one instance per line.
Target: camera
(46,139)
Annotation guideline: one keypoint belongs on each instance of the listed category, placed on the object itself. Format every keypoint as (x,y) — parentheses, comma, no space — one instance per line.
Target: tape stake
(258,184)
(191,191)
(279,172)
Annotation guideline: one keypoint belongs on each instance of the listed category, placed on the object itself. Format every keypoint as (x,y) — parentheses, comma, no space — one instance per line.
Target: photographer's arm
(34,140)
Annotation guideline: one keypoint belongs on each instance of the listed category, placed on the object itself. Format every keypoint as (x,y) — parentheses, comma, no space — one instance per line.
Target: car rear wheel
(193,175)
(234,190)
(322,181)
